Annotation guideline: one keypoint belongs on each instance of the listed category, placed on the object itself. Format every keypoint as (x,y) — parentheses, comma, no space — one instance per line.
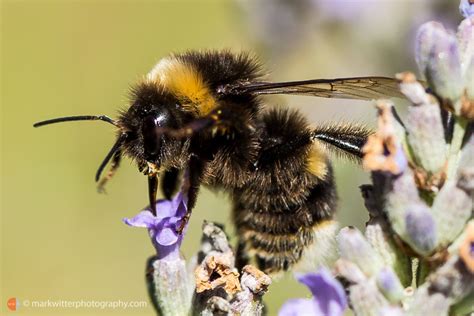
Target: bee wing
(361,88)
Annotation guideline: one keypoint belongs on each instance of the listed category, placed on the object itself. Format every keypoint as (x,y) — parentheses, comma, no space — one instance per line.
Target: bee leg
(115,164)
(170,183)
(152,188)
(345,140)
(114,153)
(196,169)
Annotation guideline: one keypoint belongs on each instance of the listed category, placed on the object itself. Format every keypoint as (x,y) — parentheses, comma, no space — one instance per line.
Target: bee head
(154,140)
(153,111)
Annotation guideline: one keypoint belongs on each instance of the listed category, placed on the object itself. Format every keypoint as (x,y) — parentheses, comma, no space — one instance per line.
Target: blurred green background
(62,240)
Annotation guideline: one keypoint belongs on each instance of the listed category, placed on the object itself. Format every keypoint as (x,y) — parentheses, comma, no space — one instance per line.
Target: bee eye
(151,139)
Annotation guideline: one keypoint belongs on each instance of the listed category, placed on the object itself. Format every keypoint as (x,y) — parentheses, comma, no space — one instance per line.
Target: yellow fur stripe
(186,83)
(316,162)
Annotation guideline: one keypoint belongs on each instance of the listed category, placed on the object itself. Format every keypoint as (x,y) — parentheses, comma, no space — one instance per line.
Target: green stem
(415,267)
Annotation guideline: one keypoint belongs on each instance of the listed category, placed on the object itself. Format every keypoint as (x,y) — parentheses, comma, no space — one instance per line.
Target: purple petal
(401,159)
(329,295)
(177,199)
(166,236)
(466,8)
(176,207)
(162,228)
(182,207)
(143,219)
(165,208)
(299,307)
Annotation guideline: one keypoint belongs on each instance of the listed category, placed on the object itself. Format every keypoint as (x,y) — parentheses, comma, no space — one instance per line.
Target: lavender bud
(349,271)
(390,285)
(423,124)
(451,209)
(466,182)
(392,311)
(426,135)
(466,160)
(420,229)
(466,8)
(366,299)
(354,247)
(378,235)
(425,304)
(439,60)
(404,193)
(425,38)
(447,285)
(465,37)
(469,78)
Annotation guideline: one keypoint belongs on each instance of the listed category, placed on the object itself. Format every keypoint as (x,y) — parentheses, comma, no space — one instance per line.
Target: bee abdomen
(289,194)
(273,244)
(278,237)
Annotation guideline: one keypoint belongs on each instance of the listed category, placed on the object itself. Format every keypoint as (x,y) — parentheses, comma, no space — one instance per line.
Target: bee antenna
(76,118)
(111,152)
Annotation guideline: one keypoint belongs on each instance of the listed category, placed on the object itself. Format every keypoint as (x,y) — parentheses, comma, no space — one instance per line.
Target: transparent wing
(361,88)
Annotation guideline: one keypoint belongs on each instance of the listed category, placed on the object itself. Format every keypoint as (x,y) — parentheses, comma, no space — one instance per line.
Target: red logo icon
(13,304)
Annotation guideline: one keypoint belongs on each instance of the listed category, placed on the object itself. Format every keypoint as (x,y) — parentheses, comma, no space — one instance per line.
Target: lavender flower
(355,248)
(438,58)
(420,228)
(447,62)
(163,227)
(329,298)
(389,284)
(466,7)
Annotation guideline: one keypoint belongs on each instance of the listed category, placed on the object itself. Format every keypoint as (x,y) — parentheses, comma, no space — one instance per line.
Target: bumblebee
(203,112)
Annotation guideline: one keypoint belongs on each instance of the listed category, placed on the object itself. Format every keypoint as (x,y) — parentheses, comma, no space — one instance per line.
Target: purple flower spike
(421,228)
(438,57)
(329,298)
(163,227)
(466,7)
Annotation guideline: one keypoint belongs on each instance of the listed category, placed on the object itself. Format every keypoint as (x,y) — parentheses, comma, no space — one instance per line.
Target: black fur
(148,100)
(223,67)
